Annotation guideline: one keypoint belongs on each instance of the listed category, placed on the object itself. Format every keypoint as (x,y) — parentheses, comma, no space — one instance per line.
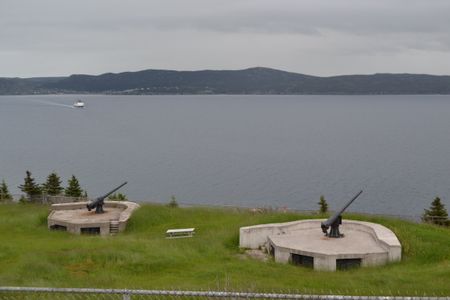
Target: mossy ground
(141,257)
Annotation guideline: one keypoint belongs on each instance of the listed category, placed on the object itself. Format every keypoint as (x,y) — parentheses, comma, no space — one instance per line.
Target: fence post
(126,296)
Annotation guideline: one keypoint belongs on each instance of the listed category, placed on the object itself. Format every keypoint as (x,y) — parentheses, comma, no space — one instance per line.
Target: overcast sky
(317,37)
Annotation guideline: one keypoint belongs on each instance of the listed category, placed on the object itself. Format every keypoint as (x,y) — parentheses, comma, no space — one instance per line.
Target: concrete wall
(384,237)
(125,205)
(68,206)
(76,228)
(325,263)
(254,237)
(282,255)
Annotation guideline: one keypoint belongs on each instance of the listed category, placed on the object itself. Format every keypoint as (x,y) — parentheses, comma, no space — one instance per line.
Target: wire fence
(125,294)
(436,220)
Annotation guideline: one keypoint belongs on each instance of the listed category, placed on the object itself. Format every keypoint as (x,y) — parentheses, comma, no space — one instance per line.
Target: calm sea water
(237,150)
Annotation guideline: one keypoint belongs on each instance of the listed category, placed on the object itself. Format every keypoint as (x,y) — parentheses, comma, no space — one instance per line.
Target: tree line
(52,187)
(34,192)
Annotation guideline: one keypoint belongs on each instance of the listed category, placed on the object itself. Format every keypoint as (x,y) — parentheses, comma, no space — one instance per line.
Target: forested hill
(248,81)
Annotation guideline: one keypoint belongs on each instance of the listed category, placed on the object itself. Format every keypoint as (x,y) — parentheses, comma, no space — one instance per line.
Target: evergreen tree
(437,213)
(323,205)
(4,192)
(53,185)
(73,189)
(29,187)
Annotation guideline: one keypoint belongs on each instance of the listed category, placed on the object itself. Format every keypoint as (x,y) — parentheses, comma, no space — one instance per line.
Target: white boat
(78,104)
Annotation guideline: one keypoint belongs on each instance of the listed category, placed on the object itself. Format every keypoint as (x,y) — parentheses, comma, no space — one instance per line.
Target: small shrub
(42,220)
(117,197)
(323,205)
(173,202)
(23,200)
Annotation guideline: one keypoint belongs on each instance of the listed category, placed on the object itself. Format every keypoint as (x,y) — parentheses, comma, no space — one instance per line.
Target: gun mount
(335,220)
(98,202)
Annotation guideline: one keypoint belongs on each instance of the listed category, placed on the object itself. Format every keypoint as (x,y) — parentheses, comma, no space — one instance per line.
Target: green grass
(30,255)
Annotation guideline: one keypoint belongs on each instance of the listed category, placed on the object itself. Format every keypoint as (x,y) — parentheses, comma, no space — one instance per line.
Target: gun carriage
(100,201)
(335,220)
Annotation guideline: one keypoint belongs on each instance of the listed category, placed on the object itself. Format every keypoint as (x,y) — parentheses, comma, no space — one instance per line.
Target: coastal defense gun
(98,202)
(335,220)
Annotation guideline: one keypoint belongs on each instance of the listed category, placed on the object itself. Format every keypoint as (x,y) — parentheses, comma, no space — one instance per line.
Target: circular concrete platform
(303,243)
(75,218)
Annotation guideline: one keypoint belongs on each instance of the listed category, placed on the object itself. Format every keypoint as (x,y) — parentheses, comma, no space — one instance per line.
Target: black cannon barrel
(107,194)
(98,202)
(334,217)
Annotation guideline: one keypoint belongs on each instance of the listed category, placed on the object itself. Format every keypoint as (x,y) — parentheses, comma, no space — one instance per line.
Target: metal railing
(125,294)
(445,221)
(61,199)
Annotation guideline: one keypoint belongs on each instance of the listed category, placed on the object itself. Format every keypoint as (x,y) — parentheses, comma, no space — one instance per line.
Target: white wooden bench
(180,233)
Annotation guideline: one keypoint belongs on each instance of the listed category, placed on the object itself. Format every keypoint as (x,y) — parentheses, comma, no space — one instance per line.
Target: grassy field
(30,255)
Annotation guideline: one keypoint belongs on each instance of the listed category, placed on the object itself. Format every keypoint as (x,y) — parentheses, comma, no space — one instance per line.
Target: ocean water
(277,151)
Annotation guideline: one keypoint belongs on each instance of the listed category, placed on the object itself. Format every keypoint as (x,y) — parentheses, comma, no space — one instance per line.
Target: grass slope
(30,255)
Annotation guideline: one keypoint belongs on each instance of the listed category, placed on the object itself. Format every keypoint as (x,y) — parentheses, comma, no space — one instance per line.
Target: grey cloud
(285,16)
(180,34)
(310,17)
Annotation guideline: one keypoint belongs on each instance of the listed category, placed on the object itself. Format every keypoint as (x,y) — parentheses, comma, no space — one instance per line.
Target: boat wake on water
(53,103)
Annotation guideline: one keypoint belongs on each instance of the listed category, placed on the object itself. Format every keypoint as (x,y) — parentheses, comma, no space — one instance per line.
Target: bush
(118,197)
(173,202)
(323,205)
(23,200)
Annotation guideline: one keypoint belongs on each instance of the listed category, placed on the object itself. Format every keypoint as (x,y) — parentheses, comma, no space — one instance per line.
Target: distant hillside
(248,81)
(27,86)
